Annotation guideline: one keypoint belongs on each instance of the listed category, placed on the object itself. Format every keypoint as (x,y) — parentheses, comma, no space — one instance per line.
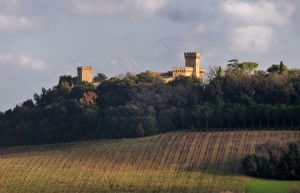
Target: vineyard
(173,162)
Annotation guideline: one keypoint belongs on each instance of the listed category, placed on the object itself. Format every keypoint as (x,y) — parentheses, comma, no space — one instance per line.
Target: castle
(192,68)
(85,73)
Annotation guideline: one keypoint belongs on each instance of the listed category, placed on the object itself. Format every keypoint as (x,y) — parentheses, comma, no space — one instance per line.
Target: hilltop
(171,162)
(138,105)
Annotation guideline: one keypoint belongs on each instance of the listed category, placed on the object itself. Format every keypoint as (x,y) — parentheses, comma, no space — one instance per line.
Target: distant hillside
(173,162)
(138,105)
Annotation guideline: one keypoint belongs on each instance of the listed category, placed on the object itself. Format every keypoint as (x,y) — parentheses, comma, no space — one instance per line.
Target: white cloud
(262,12)
(6,58)
(29,62)
(9,5)
(200,28)
(23,60)
(126,64)
(150,6)
(252,38)
(15,23)
(136,9)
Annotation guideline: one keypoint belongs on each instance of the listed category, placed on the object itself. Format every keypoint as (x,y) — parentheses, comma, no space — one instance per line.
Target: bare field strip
(172,162)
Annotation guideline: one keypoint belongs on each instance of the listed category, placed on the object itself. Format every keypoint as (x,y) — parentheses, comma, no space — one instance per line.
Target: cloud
(199,29)
(15,23)
(9,5)
(150,6)
(133,9)
(23,60)
(127,65)
(252,39)
(254,26)
(261,12)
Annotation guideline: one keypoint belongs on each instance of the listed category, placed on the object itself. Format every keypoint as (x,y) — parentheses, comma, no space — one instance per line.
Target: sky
(41,40)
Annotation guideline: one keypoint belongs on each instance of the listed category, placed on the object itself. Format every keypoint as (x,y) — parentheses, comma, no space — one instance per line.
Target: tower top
(85,67)
(192,54)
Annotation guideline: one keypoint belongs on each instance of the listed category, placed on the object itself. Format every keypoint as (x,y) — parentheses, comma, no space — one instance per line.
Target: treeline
(274,159)
(142,104)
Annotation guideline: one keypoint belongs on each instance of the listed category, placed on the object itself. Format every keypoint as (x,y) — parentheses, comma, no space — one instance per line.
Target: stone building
(85,73)
(192,67)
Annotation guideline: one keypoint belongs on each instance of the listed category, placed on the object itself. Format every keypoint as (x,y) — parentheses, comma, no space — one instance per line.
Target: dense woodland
(238,97)
(274,159)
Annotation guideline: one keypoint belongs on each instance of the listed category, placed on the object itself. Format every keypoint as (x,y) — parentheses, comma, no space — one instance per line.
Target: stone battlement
(192,54)
(85,67)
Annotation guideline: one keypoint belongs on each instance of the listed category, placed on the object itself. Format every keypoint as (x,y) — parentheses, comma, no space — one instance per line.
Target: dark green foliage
(120,106)
(290,163)
(66,79)
(274,160)
(100,77)
(140,131)
(278,68)
(251,165)
(248,66)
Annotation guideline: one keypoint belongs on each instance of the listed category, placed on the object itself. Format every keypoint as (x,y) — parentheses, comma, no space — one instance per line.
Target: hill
(129,106)
(172,162)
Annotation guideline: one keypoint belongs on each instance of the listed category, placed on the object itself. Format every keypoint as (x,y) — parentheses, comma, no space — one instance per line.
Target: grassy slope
(272,186)
(175,162)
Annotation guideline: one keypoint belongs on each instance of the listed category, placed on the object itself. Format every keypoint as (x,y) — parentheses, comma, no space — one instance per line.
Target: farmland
(172,162)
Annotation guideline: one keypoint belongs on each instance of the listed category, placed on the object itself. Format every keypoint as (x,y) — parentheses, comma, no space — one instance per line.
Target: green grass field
(272,186)
(205,162)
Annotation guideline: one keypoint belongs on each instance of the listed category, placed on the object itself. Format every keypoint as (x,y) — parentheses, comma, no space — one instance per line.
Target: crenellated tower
(192,59)
(85,73)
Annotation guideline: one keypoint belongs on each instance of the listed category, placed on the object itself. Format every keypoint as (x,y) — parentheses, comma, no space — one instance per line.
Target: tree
(114,92)
(241,113)
(89,98)
(66,79)
(214,91)
(220,72)
(275,115)
(244,67)
(273,69)
(229,114)
(274,159)
(278,68)
(166,119)
(282,68)
(267,108)
(259,112)
(64,87)
(213,72)
(122,121)
(100,77)
(196,113)
(250,165)
(291,162)
(140,131)
(149,78)
(248,66)
(233,65)
(81,88)
(219,113)
(205,111)
(182,81)
(28,104)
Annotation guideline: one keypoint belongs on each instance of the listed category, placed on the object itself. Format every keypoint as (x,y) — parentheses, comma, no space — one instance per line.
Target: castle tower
(192,59)
(85,73)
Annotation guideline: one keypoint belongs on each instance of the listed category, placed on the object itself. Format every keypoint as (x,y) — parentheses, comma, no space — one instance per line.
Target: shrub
(273,160)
